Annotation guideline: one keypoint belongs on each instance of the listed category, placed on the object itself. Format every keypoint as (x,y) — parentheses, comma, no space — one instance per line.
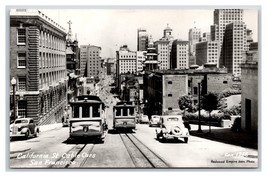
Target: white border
(195,172)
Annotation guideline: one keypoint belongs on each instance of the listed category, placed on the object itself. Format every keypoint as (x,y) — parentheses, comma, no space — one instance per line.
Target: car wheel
(36,133)
(27,134)
(186,140)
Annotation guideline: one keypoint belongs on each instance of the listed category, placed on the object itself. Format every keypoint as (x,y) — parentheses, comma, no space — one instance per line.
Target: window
(195,90)
(22,108)
(169,82)
(21,60)
(170,95)
(170,108)
(22,84)
(21,37)
(225,82)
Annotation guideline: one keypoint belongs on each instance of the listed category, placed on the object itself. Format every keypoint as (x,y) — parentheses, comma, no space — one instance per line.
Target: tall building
(207,52)
(234,45)
(151,62)
(90,60)
(163,48)
(194,36)
(93,61)
(179,55)
(142,39)
(83,59)
(223,17)
(38,64)
(126,60)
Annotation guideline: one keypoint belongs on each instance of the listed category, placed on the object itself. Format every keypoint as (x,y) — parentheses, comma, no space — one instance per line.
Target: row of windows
(48,60)
(49,41)
(128,56)
(48,78)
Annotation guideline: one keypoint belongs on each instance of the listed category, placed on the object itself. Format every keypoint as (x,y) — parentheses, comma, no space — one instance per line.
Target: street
(138,149)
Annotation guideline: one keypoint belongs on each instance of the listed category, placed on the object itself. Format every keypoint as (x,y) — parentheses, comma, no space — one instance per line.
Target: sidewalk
(225,135)
(44,128)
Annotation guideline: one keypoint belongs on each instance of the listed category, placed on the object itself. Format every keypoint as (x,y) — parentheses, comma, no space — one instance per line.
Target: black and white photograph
(133,88)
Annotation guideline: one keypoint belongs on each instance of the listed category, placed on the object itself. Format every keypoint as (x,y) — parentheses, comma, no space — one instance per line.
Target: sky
(112,28)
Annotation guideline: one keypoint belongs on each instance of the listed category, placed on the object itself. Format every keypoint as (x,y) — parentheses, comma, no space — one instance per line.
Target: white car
(144,119)
(154,121)
(172,127)
(24,127)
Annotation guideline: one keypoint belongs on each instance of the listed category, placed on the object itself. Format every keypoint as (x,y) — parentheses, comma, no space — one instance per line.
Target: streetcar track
(147,159)
(76,149)
(78,162)
(153,158)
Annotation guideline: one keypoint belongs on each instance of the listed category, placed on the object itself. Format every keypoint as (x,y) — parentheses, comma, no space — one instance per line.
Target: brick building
(38,63)
(162,88)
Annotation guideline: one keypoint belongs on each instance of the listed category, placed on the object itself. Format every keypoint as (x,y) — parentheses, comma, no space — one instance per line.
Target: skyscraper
(194,36)
(179,55)
(222,17)
(163,48)
(234,45)
(142,39)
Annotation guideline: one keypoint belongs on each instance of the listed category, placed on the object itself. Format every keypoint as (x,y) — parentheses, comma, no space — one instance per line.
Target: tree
(185,102)
(209,103)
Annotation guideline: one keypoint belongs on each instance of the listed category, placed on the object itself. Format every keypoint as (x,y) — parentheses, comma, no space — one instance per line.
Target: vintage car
(24,127)
(172,127)
(154,121)
(143,119)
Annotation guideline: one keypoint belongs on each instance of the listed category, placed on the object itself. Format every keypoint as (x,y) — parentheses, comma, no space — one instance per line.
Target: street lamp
(199,124)
(13,83)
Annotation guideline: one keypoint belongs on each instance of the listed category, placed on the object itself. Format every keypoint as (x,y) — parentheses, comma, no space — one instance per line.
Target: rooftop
(35,12)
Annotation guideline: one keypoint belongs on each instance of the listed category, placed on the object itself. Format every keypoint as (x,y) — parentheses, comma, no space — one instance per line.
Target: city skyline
(112,28)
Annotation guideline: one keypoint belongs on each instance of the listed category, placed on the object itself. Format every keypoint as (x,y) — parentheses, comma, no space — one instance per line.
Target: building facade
(162,88)
(234,45)
(249,96)
(142,39)
(207,52)
(223,17)
(194,36)
(38,63)
(163,48)
(179,55)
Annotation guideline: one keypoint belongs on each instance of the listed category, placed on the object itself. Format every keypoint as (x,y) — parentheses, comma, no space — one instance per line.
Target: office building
(234,45)
(179,55)
(38,64)
(207,52)
(142,39)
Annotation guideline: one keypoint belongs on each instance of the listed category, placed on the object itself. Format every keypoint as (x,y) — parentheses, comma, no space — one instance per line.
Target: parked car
(144,119)
(154,121)
(172,127)
(24,127)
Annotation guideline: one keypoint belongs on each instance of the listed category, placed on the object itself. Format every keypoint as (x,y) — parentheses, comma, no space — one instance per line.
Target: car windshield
(21,121)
